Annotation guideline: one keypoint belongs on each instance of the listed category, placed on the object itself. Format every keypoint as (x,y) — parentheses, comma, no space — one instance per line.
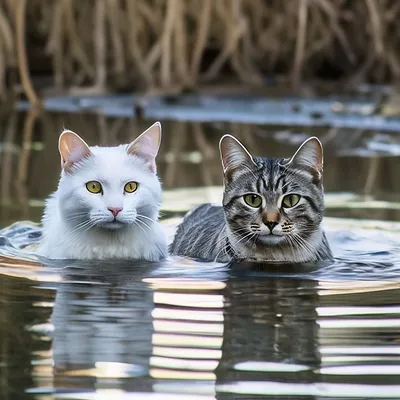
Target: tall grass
(181,44)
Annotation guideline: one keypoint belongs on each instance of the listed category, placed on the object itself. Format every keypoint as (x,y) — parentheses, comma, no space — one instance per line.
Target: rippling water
(113,329)
(182,329)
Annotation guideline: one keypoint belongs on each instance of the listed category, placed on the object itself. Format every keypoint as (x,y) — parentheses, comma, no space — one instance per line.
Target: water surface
(182,329)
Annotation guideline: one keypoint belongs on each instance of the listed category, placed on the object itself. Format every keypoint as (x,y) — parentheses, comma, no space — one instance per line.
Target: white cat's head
(109,187)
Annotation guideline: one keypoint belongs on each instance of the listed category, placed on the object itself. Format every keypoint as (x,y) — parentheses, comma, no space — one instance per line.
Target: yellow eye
(94,187)
(130,187)
(253,200)
(290,200)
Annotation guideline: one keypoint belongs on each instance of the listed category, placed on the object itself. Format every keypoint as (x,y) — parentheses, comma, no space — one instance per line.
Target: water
(187,330)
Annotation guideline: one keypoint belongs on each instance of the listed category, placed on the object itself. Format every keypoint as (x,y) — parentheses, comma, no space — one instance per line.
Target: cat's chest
(285,253)
(266,253)
(112,245)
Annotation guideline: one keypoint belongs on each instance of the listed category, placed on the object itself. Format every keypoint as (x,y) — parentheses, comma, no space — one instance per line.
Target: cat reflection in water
(107,202)
(272,210)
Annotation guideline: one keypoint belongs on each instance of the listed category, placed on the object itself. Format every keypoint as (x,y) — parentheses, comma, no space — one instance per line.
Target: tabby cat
(272,210)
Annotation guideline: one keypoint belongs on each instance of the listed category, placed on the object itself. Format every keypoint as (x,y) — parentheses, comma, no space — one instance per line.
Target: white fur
(77,223)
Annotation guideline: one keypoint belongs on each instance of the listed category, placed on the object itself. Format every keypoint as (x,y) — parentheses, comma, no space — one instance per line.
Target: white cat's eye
(252,200)
(131,187)
(290,200)
(94,187)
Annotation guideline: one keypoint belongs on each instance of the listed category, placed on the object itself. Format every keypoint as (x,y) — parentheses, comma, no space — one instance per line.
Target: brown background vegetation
(145,45)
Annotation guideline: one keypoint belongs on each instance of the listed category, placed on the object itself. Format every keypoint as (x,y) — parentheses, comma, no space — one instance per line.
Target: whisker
(145,217)
(143,224)
(79,230)
(139,226)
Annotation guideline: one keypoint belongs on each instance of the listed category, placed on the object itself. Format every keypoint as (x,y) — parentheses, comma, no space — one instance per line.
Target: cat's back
(198,233)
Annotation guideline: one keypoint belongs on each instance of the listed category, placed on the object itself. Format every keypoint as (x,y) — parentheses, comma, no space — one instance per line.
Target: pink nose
(115,210)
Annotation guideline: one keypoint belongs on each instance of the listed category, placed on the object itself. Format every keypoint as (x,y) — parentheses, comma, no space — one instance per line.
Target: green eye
(130,187)
(290,200)
(253,200)
(94,187)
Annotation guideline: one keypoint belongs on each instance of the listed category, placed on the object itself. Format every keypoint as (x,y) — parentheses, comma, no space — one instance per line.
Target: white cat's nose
(115,210)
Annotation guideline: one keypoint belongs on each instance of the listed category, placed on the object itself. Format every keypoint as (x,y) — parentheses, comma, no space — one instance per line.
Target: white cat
(107,202)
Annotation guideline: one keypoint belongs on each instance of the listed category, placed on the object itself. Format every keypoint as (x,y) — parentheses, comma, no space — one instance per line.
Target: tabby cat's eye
(253,200)
(130,187)
(94,187)
(290,200)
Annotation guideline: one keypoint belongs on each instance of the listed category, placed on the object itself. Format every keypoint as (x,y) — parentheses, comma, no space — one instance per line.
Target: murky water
(187,330)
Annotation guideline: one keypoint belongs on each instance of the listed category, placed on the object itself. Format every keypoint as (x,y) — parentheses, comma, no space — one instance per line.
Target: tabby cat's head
(272,202)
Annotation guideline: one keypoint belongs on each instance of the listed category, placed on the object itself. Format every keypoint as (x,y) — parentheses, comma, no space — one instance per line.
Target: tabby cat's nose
(271,218)
(115,210)
(271,225)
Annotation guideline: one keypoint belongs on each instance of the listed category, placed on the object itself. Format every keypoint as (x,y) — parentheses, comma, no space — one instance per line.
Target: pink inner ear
(77,154)
(146,146)
(146,151)
(72,149)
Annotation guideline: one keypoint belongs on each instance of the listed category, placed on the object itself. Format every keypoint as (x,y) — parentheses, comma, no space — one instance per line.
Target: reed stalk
(165,44)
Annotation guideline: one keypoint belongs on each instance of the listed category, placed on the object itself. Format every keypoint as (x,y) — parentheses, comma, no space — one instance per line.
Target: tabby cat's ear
(72,149)
(233,155)
(146,146)
(309,156)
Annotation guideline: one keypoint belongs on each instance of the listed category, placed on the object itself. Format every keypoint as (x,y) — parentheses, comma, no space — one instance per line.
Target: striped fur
(237,231)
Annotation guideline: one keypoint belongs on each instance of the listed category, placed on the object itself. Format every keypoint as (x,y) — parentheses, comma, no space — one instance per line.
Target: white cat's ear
(309,156)
(72,149)
(146,145)
(233,155)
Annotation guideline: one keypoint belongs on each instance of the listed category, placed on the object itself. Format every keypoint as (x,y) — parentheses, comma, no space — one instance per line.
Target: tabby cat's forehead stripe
(258,185)
(281,178)
(273,179)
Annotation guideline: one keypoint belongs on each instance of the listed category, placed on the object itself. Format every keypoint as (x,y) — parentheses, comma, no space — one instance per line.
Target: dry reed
(181,44)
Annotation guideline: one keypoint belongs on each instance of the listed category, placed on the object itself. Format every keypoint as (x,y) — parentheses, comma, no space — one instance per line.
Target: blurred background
(176,46)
